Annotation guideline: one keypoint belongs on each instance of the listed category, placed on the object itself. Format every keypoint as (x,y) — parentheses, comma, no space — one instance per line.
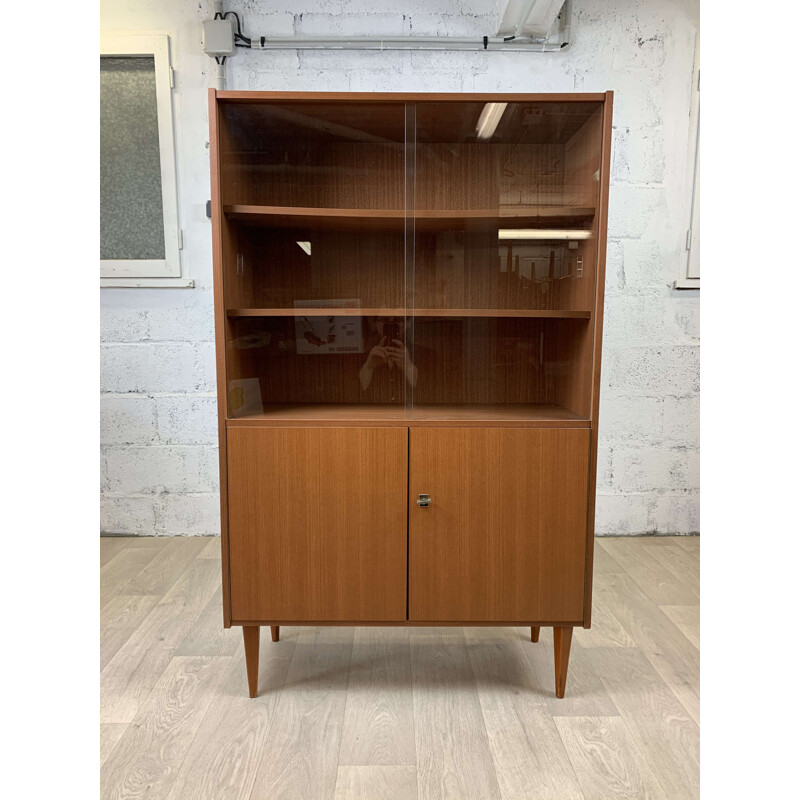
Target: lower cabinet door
(317,523)
(504,536)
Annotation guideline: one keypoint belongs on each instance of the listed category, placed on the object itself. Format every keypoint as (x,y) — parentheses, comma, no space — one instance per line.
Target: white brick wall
(158,426)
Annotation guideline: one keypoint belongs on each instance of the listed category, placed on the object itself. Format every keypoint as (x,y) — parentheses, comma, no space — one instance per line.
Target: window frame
(689,277)
(155,46)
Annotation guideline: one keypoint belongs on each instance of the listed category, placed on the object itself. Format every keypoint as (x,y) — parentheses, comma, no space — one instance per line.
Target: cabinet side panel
(504,535)
(220,323)
(602,230)
(318,523)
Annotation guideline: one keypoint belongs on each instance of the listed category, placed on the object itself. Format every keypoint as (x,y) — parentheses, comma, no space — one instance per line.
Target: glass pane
(500,367)
(131,216)
(504,243)
(314,202)
(314,155)
(287,265)
(315,222)
(312,366)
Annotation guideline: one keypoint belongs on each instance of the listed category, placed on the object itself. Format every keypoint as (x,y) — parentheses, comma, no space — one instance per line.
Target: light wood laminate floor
(397,713)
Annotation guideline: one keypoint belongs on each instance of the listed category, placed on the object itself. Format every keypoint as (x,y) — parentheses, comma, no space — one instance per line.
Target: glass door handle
(424,500)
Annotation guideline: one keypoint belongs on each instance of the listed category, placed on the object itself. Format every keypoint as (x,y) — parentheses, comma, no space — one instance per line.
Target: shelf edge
(400,312)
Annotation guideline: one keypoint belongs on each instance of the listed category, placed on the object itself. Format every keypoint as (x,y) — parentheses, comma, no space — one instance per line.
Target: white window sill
(146,283)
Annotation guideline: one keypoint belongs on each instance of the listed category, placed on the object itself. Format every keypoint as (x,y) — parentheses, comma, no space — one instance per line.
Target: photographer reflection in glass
(390,353)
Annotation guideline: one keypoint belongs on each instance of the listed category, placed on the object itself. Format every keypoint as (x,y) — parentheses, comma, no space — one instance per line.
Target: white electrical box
(218,37)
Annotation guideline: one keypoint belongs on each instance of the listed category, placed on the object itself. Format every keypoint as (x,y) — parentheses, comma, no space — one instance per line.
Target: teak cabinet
(408,306)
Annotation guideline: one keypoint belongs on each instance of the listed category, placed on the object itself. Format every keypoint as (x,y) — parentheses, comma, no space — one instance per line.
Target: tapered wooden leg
(535,634)
(276,632)
(252,637)
(562,639)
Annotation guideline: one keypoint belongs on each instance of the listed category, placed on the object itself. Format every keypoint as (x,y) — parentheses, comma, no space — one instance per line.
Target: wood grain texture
(603,563)
(673,656)
(682,564)
(453,754)
(207,637)
(562,642)
(400,312)
(238,96)
(345,262)
(317,218)
(163,570)
(160,734)
(689,543)
(123,567)
(484,549)
(110,734)
(220,232)
(687,620)
(601,223)
(371,783)
(539,747)
(607,760)
(586,695)
(300,757)
(464,360)
(226,752)
(529,757)
(251,635)
(542,415)
(666,733)
(111,545)
(606,630)
(317,523)
(131,674)
(331,169)
(379,720)
(212,549)
(660,584)
(120,617)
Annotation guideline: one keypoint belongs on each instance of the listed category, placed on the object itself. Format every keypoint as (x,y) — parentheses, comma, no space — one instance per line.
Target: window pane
(131,217)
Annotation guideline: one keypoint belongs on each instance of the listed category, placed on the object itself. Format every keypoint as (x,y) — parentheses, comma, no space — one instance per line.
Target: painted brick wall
(159,457)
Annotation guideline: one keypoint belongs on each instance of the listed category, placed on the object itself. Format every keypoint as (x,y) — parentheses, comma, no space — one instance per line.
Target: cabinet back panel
(341,155)
(366,267)
(486,360)
(472,269)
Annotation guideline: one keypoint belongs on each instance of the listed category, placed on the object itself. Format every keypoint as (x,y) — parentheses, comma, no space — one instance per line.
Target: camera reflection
(390,353)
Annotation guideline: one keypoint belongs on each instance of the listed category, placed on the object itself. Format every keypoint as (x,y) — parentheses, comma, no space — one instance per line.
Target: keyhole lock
(424,500)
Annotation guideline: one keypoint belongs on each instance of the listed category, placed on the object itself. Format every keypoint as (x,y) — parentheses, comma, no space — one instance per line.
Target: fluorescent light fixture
(305,247)
(541,233)
(489,120)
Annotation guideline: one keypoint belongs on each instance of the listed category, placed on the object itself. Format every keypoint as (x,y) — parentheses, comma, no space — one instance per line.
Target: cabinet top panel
(229,96)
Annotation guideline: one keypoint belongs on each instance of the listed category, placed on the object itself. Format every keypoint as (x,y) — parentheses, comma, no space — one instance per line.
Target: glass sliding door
(314,204)
(504,239)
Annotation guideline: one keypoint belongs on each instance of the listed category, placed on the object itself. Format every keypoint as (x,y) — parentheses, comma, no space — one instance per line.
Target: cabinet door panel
(317,523)
(504,538)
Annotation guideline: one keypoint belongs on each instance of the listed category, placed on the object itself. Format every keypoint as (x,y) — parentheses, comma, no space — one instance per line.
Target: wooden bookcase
(408,305)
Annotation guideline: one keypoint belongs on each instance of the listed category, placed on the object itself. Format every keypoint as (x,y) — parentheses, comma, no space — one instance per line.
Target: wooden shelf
(355,219)
(401,312)
(444,414)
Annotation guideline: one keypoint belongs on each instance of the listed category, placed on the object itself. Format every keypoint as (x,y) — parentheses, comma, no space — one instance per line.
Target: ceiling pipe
(528,26)
(488,43)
